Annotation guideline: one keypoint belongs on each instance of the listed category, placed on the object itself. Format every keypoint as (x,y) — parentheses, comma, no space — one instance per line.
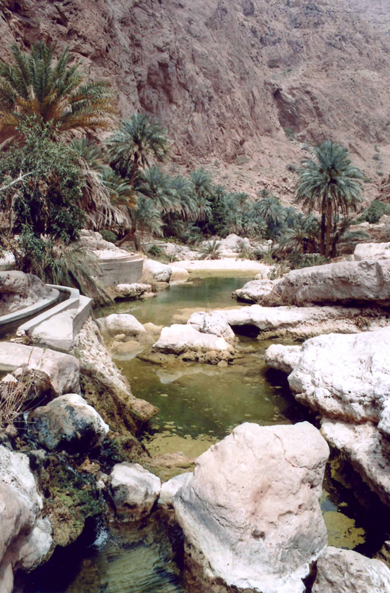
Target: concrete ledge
(121,270)
(72,302)
(11,318)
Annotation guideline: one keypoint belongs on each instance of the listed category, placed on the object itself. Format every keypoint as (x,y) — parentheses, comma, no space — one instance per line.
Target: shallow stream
(199,404)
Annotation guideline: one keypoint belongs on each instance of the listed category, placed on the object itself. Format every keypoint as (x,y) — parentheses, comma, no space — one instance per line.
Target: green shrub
(374,212)
(289,133)
(108,235)
(155,250)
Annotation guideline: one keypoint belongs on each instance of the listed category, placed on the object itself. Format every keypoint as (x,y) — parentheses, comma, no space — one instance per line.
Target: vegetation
(331,185)
(374,212)
(52,184)
(54,92)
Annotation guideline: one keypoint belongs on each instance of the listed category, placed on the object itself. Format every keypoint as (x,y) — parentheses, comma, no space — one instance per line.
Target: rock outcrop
(121,323)
(344,376)
(154,271)
(250,513)
(345,571)
(25,536)
(190,344)
(130,291)
(67,423)
(172,487)
(375,251)
(283,358)
(134,491)
(19,290)
(365,282)
(63,370)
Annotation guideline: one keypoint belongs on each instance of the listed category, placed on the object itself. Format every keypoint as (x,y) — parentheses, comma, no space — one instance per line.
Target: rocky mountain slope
(242,85)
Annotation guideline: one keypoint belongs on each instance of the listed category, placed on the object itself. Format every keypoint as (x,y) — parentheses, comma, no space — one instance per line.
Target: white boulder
(130,291)
(19,290)
(121,323)
(179,275)
(283,358)
(344,376)
(154,271)
(134,491)
(185,340)
(172,487)
(342,282)
(62,369)
(68,423)
(212,323)
(377,251)
(250,513)
(345,571)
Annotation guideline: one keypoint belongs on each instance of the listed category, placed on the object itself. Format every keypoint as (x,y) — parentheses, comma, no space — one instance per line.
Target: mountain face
(248,82)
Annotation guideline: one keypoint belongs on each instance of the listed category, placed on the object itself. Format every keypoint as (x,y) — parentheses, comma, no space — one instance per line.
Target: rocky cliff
(247,82)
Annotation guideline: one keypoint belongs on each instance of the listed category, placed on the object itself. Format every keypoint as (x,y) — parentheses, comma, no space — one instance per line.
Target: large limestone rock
(19,290)
(300,322)
(376,251)
(190,344)
(283,358)
(345,571)
(68,423)
(343,282)
(130,291)
(154,271)
(172,487)
(362,446)
(25,537)
(344,376)
(121,323)
(250,513)
(62,369)
(134,491)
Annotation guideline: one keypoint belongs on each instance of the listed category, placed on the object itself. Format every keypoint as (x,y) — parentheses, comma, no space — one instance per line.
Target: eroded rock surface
(19,290)
(283,358)
(345,571)
(344,376)
(190,344)
(365,281)
(67,423)
(134,491)
(250,513)
(154,271)
(121,323)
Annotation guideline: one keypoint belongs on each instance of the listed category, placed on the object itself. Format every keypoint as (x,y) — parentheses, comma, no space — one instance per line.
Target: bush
(155,251)
(374,212)
(108,235)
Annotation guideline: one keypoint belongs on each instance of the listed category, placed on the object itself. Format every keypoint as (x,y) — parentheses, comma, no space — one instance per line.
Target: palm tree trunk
(134,169)
(323,226)
(328,226)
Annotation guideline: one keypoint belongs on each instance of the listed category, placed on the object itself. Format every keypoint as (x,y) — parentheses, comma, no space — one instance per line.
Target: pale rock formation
(62,369)
(342,282)
(130,291)
(67,423)
(93,241)
(25,537)
(172,487)
(344,376)
(179,275)
(134,491)
(56,332)
(376,251)
(212,323)
(362,445)
(19,290)
(345,571)
(121,323)
(191,344)
(283,358)
(154,271)
(250,513)
(300,322)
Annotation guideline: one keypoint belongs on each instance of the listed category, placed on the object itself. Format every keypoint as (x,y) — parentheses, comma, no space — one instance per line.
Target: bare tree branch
(20,178)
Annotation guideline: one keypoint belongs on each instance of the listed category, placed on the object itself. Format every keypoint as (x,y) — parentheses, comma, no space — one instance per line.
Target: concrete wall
(121,270)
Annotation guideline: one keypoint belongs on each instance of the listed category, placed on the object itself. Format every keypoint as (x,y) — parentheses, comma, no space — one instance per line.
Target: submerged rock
(190,344)
(345,571)
(134,491)
(250,513)
(343,282)
(67,423)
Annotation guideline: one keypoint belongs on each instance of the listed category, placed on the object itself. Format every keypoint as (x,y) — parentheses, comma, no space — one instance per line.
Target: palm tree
(131,147)
(272,212)
(54,92)
(157,185)
(329,184)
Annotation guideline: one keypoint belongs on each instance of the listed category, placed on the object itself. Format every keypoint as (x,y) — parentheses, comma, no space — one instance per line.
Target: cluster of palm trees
(124,188)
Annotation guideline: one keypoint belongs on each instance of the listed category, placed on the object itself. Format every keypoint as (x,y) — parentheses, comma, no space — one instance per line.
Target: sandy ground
(223,267)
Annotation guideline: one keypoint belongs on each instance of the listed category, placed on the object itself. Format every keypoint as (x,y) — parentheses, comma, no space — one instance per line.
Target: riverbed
(199,405)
